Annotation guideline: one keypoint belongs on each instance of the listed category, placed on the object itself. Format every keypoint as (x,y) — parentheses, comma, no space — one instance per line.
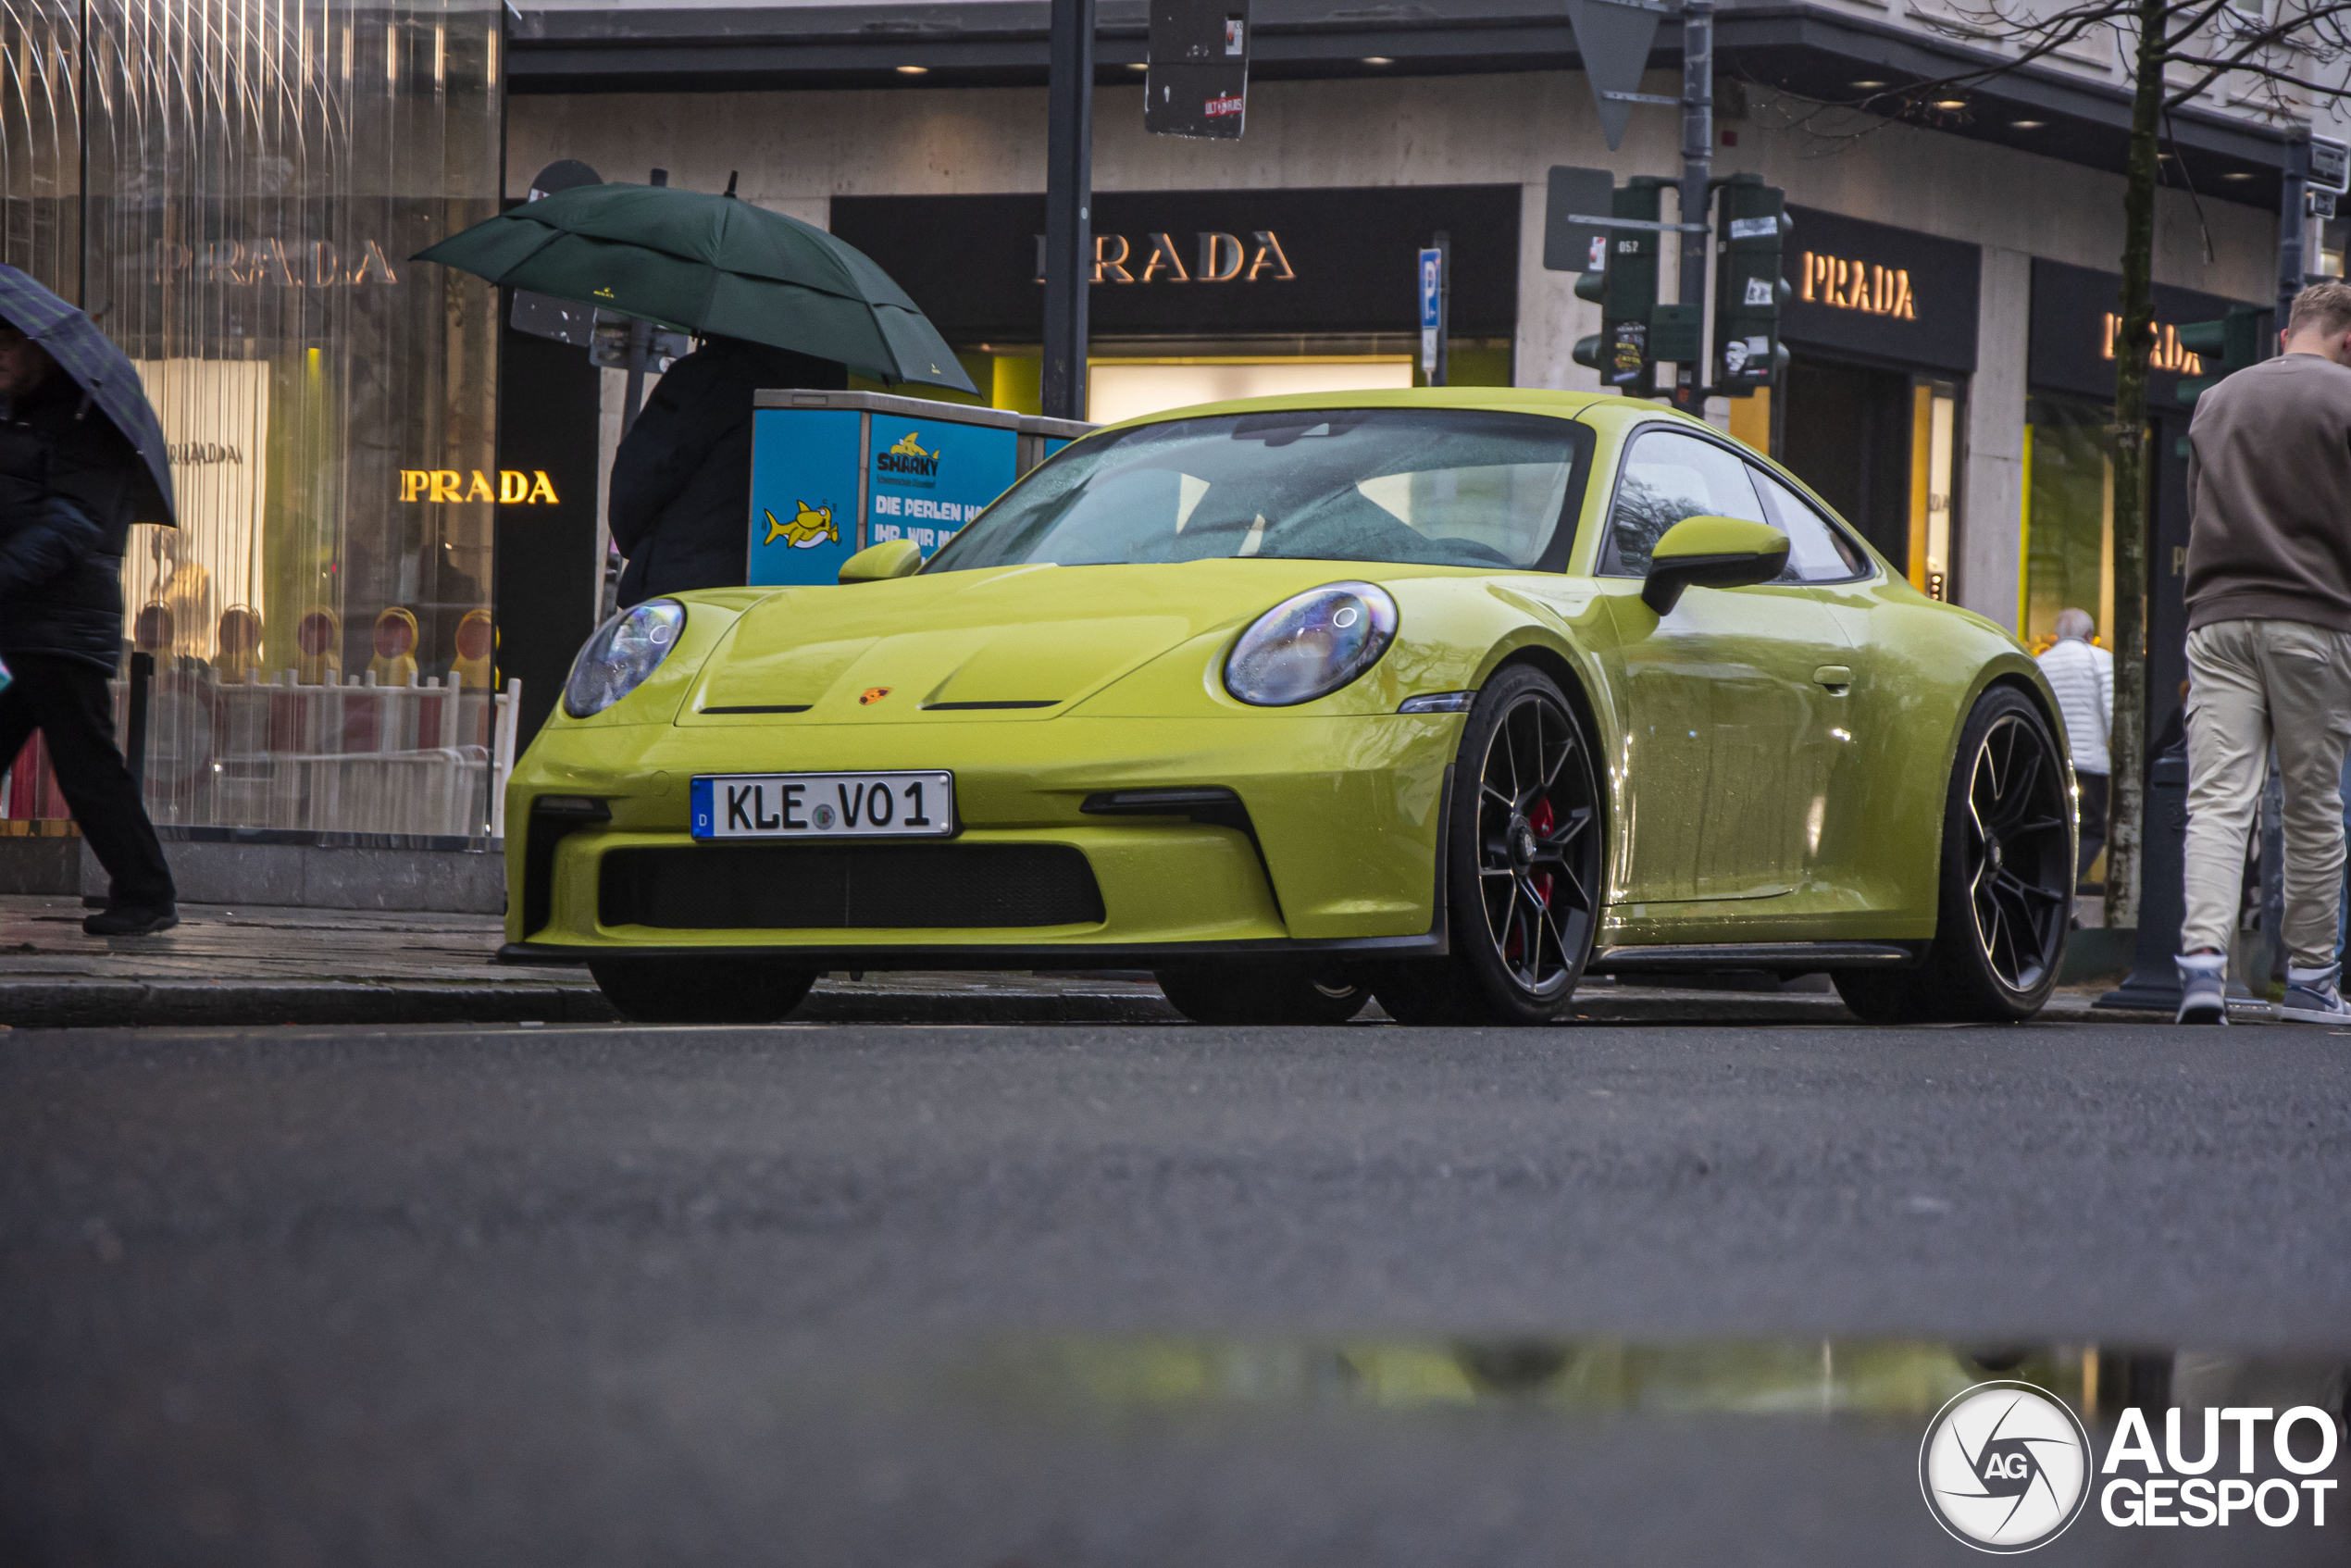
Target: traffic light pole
(2293,223)
(1697,168)
(1069,199)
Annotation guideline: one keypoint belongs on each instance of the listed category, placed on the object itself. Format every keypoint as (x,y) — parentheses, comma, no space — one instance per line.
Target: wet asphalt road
(1048,1296)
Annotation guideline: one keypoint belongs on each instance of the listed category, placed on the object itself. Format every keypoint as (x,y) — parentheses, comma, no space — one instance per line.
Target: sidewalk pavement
(251,967)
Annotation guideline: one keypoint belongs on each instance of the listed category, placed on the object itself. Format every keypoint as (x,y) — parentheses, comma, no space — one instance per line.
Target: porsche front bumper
(1335,848)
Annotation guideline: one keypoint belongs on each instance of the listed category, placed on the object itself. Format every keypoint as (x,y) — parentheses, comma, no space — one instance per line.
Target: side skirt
(1785,958)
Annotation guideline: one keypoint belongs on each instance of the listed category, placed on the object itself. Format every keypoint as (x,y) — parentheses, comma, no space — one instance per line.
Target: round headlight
(625,650)
(1310,645)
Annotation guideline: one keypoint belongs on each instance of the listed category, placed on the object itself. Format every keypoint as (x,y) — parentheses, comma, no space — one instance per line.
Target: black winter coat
(681,480)
(67,479)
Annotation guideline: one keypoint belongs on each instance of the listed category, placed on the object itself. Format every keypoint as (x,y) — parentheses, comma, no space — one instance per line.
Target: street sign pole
(1440,374)
(2294,218)
(1069,196)
(1697,168)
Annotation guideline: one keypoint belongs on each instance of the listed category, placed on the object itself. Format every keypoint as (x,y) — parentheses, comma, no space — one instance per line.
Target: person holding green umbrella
(778,302)
(82,458)
(682,480)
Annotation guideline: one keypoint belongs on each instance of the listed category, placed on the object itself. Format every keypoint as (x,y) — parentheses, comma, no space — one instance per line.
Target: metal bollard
(2154,984)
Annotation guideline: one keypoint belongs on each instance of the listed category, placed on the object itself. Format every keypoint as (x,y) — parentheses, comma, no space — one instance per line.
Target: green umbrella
(709,265)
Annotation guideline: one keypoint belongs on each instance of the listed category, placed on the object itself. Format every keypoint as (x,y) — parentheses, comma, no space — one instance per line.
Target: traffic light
(2234,342)
(1750,227)
(1626,293)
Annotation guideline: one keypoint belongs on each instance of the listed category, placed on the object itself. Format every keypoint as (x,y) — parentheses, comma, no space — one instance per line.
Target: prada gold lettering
(514,486)
(1108,262)
(1219,258)
(1844,284)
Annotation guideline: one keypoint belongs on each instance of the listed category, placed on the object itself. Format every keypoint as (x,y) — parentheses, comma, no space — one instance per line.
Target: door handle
(1836,678)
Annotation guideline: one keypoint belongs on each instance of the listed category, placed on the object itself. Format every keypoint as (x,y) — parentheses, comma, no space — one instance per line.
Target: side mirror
(1709,553)
(897,558)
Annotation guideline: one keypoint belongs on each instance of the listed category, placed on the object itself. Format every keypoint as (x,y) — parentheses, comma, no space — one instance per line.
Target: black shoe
(127,921)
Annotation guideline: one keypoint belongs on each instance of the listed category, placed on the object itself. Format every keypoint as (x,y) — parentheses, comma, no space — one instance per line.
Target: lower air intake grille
(740,887)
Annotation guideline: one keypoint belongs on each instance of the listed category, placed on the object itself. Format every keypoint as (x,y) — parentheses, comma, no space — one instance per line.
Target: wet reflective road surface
(1047,1296)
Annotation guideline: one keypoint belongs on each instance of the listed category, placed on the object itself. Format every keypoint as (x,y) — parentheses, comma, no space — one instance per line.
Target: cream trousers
(2255,683)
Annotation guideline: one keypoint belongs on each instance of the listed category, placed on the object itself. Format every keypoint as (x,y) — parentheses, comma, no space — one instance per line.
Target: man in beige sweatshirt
(2269,597)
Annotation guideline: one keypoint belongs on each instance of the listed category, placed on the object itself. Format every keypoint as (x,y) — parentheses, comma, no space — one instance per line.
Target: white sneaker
(2312,996)
(2204,987)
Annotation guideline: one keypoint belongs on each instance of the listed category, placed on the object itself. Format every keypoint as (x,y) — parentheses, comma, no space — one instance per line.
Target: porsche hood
(1019,642)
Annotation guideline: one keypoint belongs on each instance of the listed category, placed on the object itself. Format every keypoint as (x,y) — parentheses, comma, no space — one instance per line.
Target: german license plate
(824,805)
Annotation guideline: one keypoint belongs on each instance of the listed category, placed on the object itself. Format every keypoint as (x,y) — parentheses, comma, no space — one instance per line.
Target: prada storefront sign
(1202,263)
(1879,292)
(2074,329)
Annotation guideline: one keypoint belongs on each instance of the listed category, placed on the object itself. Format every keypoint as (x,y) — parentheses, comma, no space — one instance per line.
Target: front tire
(1252,994)
(1523,864)
(750,990)
(2005,883)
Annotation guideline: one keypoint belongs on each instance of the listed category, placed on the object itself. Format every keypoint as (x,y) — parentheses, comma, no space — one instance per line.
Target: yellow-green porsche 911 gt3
(1449,698)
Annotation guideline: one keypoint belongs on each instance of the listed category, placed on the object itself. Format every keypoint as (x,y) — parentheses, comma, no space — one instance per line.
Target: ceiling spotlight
(2026,124)
(1869,86)
(913,71)
(1377,60)
(2236,174)
(1950,103)
(1139,65)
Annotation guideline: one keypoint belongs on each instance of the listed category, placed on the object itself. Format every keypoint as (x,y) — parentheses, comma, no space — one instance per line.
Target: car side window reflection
(1817,552)
(1669,476)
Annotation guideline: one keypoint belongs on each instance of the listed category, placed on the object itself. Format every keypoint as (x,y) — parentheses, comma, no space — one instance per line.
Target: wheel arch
(1575,684)
(2018,674)
(2034,687)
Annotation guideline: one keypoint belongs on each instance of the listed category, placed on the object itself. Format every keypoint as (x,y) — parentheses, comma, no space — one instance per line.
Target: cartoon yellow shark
(908,447)
(813,527)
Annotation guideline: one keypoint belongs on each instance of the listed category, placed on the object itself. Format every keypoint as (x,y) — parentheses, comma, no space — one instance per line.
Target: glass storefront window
(1935,418)
(2069,518)
(259,173)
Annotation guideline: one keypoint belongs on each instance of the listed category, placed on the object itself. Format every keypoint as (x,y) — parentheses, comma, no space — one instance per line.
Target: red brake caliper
(1541,821)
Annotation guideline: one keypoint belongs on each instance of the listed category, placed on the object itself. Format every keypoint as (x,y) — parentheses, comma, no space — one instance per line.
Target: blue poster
(930,478)
(803,495)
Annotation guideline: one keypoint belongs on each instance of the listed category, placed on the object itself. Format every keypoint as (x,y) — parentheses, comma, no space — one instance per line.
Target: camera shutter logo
(2005,1467)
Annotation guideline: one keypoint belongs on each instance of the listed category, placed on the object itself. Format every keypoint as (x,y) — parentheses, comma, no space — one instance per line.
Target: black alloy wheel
(1525,858)
(2007,881)
(751,989)
(1262,993)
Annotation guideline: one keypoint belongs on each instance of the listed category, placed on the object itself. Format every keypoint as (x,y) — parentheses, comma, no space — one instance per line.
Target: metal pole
(1069,199)
(81,192)
(1443,244)
(1697,168)
(2293,220)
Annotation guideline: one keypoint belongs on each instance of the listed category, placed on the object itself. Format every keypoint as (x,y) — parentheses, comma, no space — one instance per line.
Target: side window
(1817,551)
(1667,476)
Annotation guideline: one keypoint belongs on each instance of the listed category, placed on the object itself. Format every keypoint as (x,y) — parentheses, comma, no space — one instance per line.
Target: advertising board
(832,472)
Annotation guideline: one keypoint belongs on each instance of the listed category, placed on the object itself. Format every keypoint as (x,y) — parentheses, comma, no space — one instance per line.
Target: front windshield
(1441,485)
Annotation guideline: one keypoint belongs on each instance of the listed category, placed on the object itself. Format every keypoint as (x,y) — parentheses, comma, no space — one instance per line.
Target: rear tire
(2006,882)
(750,990)
(1523,866)
(1252,994)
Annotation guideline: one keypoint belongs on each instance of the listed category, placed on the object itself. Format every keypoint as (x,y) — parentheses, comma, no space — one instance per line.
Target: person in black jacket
(66,499)
(682,480)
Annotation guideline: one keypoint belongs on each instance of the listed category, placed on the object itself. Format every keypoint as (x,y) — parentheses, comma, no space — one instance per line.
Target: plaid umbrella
(708,264)
(104,375)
